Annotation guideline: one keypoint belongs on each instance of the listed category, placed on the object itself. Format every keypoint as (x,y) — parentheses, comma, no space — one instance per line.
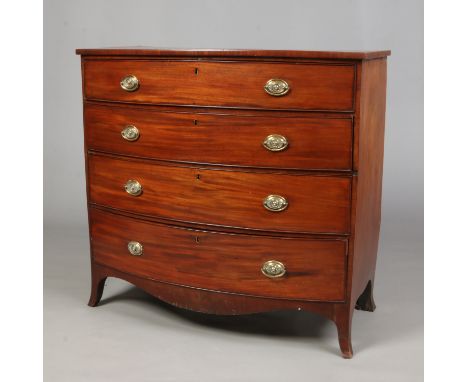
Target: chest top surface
(241,53)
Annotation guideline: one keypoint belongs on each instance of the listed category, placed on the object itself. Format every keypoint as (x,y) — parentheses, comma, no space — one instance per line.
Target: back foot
(366,299)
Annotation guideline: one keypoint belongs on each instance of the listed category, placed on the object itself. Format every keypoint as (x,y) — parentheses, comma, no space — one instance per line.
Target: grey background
(137,338)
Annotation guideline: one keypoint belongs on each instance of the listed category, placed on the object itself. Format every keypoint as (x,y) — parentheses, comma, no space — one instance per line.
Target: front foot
(366,299)
(98,280)
(343,320)
(346,351)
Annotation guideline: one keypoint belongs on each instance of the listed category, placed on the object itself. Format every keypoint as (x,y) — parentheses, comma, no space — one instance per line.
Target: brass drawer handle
(130,133)
(275,203)
(276,87)
(273,269)
(133,187)
(130,83)
(275,142)
(135,248)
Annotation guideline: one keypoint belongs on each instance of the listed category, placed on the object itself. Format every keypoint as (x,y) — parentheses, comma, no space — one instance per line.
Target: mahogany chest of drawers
(233,182)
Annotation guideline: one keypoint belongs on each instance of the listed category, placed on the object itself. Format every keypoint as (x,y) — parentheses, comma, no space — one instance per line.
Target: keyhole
(198,176)
(197,239)
(196,71)
(195,122)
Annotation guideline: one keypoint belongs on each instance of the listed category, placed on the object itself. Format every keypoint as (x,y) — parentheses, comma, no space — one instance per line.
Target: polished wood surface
(315,269)
(225,139)
(223,84)
(256,54)
(200,216)
(223,198)
(368,183)
(215,302)
(367,194)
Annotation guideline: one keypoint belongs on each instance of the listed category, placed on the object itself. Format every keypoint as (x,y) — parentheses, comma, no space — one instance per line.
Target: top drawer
(309,86)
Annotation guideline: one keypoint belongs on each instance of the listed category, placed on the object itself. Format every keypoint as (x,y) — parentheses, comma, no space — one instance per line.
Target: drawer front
(309,143)
(311,86)
(314,269)
(227,198)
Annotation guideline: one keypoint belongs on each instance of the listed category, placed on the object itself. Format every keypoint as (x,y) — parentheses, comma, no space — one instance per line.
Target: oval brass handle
(275,203)
(273,269)
(130,83)
(130,133)
(275,142)
(133,187)
(276,87)
(135,248)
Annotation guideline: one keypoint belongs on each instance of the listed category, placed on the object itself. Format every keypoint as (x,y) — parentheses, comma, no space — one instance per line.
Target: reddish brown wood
(343,317)
(367,187)
(98,280)
(223,84)
(205,301)
(181,109)
(209,227)
(221,262)
(223,198)
(199,216)
(226,139)
(233,53)
(366,199)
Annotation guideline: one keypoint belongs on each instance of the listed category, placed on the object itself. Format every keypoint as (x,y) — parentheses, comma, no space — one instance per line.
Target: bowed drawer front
(233,182)
(235,140)
(309,86)
(221,262)
(223,198)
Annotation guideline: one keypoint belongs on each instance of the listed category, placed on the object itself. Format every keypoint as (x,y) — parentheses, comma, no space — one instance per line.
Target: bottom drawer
(315,268)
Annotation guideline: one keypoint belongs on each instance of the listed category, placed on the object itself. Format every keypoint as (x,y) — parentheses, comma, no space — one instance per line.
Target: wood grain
(213,302)
(368,181)
(223,198)
(200,217)
(223,84)
(313,143)
(221,262)
(257,54)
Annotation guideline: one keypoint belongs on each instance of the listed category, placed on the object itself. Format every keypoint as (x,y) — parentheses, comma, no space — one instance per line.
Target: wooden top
(301,54)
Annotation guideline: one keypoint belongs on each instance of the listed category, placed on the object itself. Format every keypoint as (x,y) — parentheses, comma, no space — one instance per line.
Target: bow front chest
(234,182)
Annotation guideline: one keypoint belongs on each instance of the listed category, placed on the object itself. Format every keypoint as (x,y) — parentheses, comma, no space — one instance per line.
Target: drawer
(312,86)
(304,143)
(226,198)
(314,269)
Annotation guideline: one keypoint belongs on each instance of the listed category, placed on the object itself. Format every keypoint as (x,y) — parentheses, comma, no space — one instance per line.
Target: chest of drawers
(235,182)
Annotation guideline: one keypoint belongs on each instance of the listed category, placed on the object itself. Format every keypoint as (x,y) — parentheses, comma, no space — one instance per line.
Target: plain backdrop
(292,24)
